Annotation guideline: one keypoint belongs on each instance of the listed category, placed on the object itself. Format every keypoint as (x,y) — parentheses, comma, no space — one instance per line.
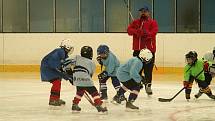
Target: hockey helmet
(66,45)
(191,57)
(103,51)
(87,52)
(145,55)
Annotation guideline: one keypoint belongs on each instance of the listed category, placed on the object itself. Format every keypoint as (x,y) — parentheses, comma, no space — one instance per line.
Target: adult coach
(144,32)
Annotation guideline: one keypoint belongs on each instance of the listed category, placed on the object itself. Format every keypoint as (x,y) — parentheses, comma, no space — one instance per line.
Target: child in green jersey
(194,71)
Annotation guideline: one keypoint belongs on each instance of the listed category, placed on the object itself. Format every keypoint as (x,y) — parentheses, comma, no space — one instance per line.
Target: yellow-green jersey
(195,70)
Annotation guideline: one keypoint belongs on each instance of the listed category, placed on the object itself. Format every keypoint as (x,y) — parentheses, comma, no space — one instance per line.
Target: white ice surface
(27,100)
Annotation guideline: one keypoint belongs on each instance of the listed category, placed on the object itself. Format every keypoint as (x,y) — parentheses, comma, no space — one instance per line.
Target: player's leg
(103,88)
(208,79)
(148,69)
(116,84)
(135,89)
(77,98)
(119,97)
(97,100)
(55,93)
(205,89)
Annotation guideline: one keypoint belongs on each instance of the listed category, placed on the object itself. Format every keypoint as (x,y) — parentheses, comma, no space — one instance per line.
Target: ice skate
(56,102)
(76,108)
(199,94)
(104,96)
(117,99)
(148,89)
(212,97)
(129,105)
(62,102)
(100,108)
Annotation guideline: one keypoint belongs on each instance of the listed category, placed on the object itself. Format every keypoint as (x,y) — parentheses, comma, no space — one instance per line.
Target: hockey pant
(131,85)
(203,85)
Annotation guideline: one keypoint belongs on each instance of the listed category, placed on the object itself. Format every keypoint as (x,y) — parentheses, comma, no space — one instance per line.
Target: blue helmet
(102,49)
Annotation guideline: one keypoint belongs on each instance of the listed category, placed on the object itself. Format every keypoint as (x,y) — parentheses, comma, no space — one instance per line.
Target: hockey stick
(129,10)
(88,98)
(170,99)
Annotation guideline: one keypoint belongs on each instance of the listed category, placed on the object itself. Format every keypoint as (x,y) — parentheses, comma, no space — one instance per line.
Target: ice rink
(25,98)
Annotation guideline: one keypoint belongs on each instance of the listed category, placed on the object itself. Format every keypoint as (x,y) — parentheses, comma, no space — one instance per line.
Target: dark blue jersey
(50,63)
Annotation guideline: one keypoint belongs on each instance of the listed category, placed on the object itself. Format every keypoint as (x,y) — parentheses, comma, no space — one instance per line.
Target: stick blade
(164,100)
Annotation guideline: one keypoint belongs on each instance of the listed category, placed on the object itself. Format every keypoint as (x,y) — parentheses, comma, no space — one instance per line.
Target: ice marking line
(173,118)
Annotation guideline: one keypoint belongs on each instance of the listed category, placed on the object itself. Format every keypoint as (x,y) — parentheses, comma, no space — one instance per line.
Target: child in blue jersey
(130,75)
(82,79)
(107,59)
(50,68)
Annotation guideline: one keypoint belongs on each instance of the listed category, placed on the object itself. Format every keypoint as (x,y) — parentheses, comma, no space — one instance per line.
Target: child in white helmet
(50,70)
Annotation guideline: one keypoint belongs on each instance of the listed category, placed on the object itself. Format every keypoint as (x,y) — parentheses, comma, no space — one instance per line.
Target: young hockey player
(194,71)
(209,69)
(50,70)
(130,75)
(82,79)
(107,59)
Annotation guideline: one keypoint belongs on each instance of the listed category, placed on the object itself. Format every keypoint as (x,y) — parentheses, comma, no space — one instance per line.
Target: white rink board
(29,48)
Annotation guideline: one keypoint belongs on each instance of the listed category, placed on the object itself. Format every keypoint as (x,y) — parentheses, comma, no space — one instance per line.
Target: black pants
(208,78)
(147,67)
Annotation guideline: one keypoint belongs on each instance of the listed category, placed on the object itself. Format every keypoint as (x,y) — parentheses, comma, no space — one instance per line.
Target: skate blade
(103,113)
(115,103)
(75,112)
(105,101)
(51,107)
(132,110)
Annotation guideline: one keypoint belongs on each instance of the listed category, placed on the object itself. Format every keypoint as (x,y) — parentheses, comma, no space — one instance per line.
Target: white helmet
(145,55)
(66,45)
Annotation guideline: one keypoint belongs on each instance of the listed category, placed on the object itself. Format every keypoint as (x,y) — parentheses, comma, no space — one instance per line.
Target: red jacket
(144,34)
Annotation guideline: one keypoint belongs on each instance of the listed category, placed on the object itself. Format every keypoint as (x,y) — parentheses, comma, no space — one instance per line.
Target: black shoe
(101,109)
(75,107)
(130,105)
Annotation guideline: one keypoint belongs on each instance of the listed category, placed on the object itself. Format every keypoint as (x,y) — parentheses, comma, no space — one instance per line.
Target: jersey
(209,57)
(83,71)
(111,64)
(130,70)
(194,70)
(50,63)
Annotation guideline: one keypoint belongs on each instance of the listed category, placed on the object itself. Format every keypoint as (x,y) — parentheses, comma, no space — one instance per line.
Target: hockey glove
(103,76)
(206,66)
(67,64)
(99,59)
(186,84)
